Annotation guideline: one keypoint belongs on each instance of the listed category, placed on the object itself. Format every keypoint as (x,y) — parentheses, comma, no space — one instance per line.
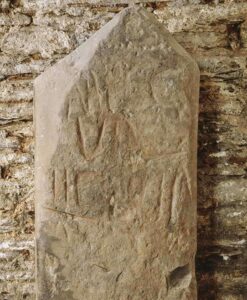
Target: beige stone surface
(116,140)
(214,33)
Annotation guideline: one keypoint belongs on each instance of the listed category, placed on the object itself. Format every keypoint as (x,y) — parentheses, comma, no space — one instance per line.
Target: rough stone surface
(222,210)
(116,167)
(35,40)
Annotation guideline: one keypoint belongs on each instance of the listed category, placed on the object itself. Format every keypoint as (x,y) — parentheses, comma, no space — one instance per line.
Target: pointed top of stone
(125,27)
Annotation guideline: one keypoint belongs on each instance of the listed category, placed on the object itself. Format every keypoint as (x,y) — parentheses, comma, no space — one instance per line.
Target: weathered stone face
(116,136)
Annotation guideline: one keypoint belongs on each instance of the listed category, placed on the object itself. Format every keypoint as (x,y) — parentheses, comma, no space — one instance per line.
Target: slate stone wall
(36,34)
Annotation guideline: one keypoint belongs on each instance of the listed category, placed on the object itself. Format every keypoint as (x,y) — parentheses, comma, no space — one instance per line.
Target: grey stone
(35,41)
(116,144)
(48,5)
(15,112)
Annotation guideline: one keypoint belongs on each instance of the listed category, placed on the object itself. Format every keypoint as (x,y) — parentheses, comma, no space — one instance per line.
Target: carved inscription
(118,212)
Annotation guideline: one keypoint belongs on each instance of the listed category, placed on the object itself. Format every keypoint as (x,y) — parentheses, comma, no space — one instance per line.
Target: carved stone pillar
(116,145)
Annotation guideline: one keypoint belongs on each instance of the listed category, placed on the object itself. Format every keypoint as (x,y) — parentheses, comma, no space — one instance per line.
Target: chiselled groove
(118,276)
(53,183)
(103,94)
(65,232)
(80,137)
(101,267)
(111,208)
(187,176)
(65,185)
(179,185)
(67,110)
(76,189)
(59,183)
(100,136)
(173,200)
(167,284)
(94,76)
(161,195)
(116,129)
(107,100)
(83,93)
(98,89)
(70,187)
(151,90)
(69,213)
(176,195)
(132,130)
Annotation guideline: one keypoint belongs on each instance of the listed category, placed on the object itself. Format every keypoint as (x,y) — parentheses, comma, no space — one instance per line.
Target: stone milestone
(116,144)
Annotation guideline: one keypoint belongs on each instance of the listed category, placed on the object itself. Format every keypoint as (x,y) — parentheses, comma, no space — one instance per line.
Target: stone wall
(36,34)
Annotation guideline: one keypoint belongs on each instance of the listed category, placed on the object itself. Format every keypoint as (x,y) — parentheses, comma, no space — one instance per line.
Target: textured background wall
(36,34)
